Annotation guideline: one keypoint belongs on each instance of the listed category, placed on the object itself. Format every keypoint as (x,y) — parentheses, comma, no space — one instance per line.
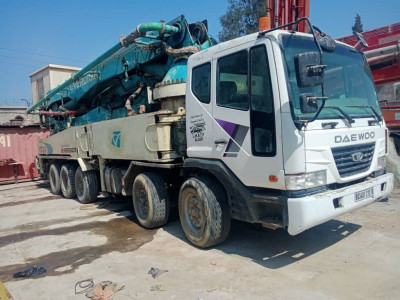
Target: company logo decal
(89,77)
(354,137)
(45,148)
(237,133)
(67,150)
(357,156)
(116,139)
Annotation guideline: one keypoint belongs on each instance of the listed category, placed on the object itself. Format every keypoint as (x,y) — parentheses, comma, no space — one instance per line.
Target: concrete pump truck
(279,128)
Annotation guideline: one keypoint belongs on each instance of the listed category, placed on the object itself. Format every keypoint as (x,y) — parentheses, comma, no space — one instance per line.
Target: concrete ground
(356,256)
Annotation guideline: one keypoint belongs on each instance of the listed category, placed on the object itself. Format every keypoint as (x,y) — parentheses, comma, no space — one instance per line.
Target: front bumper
(312,210)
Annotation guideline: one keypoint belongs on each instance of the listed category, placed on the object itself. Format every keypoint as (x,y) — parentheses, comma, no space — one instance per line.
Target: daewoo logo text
(354,137)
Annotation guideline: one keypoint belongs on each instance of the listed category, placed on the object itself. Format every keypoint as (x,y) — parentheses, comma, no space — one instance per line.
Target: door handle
(221,141)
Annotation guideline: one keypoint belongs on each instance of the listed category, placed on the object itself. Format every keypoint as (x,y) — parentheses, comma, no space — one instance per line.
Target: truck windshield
(348,81)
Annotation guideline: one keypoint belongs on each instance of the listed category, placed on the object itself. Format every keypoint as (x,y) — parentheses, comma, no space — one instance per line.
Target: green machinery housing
(116,84)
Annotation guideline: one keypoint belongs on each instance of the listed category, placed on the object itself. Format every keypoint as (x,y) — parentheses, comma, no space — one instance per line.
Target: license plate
(368,193)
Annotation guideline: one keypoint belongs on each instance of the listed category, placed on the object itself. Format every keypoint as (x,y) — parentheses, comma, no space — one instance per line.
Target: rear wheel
(67,178)
(204,212)
(86,185)
(54,178)
(150,200)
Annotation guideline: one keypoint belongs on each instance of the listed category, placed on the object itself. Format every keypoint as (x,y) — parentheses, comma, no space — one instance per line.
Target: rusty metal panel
(18,148)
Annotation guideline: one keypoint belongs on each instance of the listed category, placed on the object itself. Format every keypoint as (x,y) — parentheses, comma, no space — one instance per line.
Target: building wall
(48,78)
(40,83)
(59,76)
(12,115)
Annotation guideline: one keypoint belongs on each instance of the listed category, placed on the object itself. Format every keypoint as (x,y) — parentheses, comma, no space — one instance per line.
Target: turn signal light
(264,24)
(273,178)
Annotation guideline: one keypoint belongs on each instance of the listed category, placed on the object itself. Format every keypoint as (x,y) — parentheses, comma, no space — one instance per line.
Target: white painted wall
(51,76)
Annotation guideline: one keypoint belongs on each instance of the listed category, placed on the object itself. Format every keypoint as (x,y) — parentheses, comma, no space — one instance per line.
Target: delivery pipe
(383,59)
(140,31)
(382,51)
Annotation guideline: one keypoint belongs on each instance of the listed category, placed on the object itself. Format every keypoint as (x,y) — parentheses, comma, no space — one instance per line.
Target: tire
(86,185)
(150,200)
(67,179)
(54,178)
(204,211)
(116,181)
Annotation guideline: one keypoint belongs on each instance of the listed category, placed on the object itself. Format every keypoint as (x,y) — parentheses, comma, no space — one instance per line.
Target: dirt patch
(122,234)
(22,202)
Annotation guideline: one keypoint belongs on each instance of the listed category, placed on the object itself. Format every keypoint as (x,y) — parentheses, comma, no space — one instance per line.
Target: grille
(344,159)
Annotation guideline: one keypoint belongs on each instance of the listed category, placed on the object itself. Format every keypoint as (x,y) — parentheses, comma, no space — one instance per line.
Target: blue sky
(74,32)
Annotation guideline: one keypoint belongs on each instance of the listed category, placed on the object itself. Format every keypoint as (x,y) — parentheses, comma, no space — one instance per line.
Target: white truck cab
(288,155)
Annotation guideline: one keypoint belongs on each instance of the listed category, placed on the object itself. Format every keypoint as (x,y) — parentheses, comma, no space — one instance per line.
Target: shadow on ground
(275,249)
(122,233)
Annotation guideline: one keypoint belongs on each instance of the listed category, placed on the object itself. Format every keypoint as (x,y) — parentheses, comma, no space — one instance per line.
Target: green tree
(241,18)
(358,26)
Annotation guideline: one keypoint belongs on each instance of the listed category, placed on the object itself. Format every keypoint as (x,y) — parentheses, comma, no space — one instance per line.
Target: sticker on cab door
(237,133)
(197,127)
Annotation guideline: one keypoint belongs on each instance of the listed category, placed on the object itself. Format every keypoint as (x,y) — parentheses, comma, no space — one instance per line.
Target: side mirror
(361,41)
(306,105)
(309,71)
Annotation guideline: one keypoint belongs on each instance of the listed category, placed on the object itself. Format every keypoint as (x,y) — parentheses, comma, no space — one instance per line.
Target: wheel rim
(143,204)
(79,184)
(194,211)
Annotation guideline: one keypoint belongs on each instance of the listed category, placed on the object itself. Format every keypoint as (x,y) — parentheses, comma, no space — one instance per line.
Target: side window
(201,79)
(262,117)
(232,87)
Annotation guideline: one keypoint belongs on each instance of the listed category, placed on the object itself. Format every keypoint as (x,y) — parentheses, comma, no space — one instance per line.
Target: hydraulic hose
(142,29)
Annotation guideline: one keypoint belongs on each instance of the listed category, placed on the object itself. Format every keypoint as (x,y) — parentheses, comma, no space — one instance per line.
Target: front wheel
(150,200)
(204,212)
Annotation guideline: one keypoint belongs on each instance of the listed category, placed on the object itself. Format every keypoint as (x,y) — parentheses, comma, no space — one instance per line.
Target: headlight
(305,181)
(381,162)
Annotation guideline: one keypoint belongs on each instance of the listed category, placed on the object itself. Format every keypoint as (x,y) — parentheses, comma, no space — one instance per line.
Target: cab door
(246,115)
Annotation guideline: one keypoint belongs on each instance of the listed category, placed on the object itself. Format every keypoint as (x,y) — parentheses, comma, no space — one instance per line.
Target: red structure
(18,148)
(383,55)
(281,12)
(377,38)
(382,52)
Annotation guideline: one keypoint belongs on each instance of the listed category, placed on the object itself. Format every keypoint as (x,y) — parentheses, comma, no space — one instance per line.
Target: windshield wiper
(347,117)
(378,117)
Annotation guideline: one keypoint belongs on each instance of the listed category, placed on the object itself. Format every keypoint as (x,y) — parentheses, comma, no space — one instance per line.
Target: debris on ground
(31,272)
(155,272)
(157,288)
(4,293)
(104,290)
(83,286)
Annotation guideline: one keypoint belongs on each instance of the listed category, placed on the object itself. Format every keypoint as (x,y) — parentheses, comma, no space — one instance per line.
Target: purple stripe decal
(227,126)
(237,133)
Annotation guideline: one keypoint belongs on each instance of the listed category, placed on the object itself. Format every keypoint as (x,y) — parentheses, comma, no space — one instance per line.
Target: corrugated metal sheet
(17,152)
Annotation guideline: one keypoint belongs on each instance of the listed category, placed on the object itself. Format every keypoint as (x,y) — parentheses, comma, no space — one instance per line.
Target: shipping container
(18,148)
